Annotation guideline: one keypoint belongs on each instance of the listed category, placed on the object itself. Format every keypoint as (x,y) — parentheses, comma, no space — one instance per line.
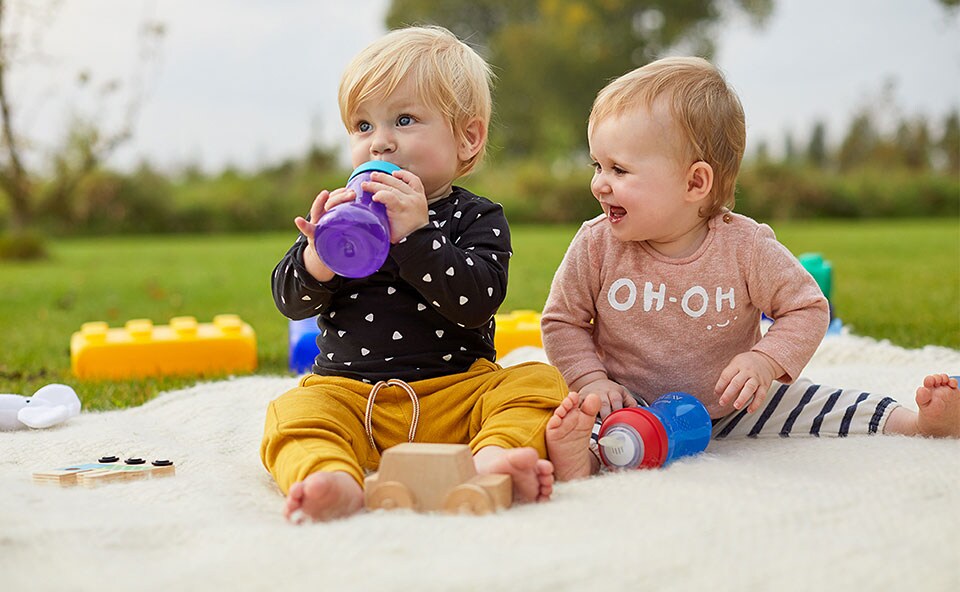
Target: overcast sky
(247,82)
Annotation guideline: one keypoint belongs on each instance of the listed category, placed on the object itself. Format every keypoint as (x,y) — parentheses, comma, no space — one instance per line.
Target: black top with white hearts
(427,312)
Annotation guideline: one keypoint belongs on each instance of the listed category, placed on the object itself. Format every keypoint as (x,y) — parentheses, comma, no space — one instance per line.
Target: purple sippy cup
(353,239)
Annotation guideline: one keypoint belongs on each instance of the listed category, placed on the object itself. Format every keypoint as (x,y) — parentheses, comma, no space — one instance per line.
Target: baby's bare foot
(568,437)
(323,496)
(939,407)
(532,476)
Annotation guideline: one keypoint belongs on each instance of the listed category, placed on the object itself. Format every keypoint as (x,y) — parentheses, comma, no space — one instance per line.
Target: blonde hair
(448,75)
(706,111)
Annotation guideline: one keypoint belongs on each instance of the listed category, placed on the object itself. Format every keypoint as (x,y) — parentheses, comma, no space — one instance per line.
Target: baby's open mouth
(616,213)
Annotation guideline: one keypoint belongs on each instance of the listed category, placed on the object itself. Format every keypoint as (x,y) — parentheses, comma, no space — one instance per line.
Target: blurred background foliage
(550,57)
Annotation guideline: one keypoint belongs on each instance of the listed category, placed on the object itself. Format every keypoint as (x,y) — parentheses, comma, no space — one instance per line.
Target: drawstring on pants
(368,414)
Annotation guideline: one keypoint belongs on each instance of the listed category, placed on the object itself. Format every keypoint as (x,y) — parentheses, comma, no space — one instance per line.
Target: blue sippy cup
(673,426)
(353,239)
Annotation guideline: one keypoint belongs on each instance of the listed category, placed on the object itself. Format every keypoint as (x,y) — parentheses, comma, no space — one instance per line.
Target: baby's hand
(403,195)
(323,202)
(747,377)
(612,395)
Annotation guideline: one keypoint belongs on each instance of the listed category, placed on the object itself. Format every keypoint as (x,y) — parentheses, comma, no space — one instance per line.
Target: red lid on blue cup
(636,439)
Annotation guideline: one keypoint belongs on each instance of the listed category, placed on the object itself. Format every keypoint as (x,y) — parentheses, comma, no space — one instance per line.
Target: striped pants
(807,409)
(803,409)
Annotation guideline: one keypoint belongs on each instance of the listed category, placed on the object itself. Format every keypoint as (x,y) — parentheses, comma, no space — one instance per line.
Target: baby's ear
(472,140)
(699,181)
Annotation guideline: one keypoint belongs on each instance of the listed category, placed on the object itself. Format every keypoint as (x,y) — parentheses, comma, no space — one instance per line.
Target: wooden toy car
(431,477)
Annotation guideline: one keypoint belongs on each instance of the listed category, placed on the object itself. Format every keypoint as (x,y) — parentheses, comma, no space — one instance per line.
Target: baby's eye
(596,166)
(364,127)
(404,120)
(618,171)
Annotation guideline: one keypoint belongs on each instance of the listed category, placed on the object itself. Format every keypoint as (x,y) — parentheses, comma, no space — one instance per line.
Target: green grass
(897,280)
(893,279)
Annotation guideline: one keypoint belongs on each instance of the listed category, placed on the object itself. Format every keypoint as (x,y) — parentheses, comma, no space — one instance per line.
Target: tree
(86,145)
(762,154)
(789,149)
(912,140)
(859,144)
(552,56)
(817,148)
(949,143)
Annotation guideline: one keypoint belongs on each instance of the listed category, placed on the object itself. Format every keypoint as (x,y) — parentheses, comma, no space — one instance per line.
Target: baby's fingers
(380,181)
(309,227)
(409,179)
(733,388)
(747,393)
(724,381)
(305,228)
(337,197)
(758,398)
(318,206)
(617,401)
(606,405)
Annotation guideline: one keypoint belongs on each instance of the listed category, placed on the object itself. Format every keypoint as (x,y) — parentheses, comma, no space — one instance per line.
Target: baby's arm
(566,322)
(302,284)
(459,265)
(781,288)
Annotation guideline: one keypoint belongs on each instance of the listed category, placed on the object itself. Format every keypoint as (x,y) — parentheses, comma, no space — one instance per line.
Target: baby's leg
(939,417)
(568,437)
(313,441)
(532,476)
(323,496)
(807,409)
(513,406)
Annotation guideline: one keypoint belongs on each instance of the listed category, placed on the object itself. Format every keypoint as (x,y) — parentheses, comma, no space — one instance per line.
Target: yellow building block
(517,329)
(184,347)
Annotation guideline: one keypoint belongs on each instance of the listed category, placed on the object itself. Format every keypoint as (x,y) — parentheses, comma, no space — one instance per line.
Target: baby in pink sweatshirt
(664,291)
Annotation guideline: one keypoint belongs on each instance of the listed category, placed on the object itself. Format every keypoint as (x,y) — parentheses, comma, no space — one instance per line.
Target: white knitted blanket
(861,513)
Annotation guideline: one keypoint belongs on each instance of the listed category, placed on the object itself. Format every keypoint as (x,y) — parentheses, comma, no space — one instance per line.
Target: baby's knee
(541,383)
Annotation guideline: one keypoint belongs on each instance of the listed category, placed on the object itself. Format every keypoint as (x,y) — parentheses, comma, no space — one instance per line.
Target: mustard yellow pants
(319,426)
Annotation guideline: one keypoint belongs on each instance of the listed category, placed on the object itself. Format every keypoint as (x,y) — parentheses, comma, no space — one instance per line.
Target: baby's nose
(383,143)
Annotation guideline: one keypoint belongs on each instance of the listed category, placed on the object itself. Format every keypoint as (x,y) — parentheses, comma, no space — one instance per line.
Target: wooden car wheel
(468,499)
(391,495)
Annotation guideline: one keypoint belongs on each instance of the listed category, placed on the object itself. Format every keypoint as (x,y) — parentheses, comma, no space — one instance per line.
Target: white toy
(52,404)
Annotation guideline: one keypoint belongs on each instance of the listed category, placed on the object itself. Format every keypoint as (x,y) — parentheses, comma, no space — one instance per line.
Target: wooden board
(94,474)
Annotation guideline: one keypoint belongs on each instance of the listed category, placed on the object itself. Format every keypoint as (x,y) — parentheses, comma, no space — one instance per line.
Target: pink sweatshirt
(655,324)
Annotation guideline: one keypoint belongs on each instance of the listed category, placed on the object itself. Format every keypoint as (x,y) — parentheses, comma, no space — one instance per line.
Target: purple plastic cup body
(353,239)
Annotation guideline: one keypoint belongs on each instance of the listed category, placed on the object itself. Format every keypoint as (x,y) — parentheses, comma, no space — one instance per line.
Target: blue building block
(303,344)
